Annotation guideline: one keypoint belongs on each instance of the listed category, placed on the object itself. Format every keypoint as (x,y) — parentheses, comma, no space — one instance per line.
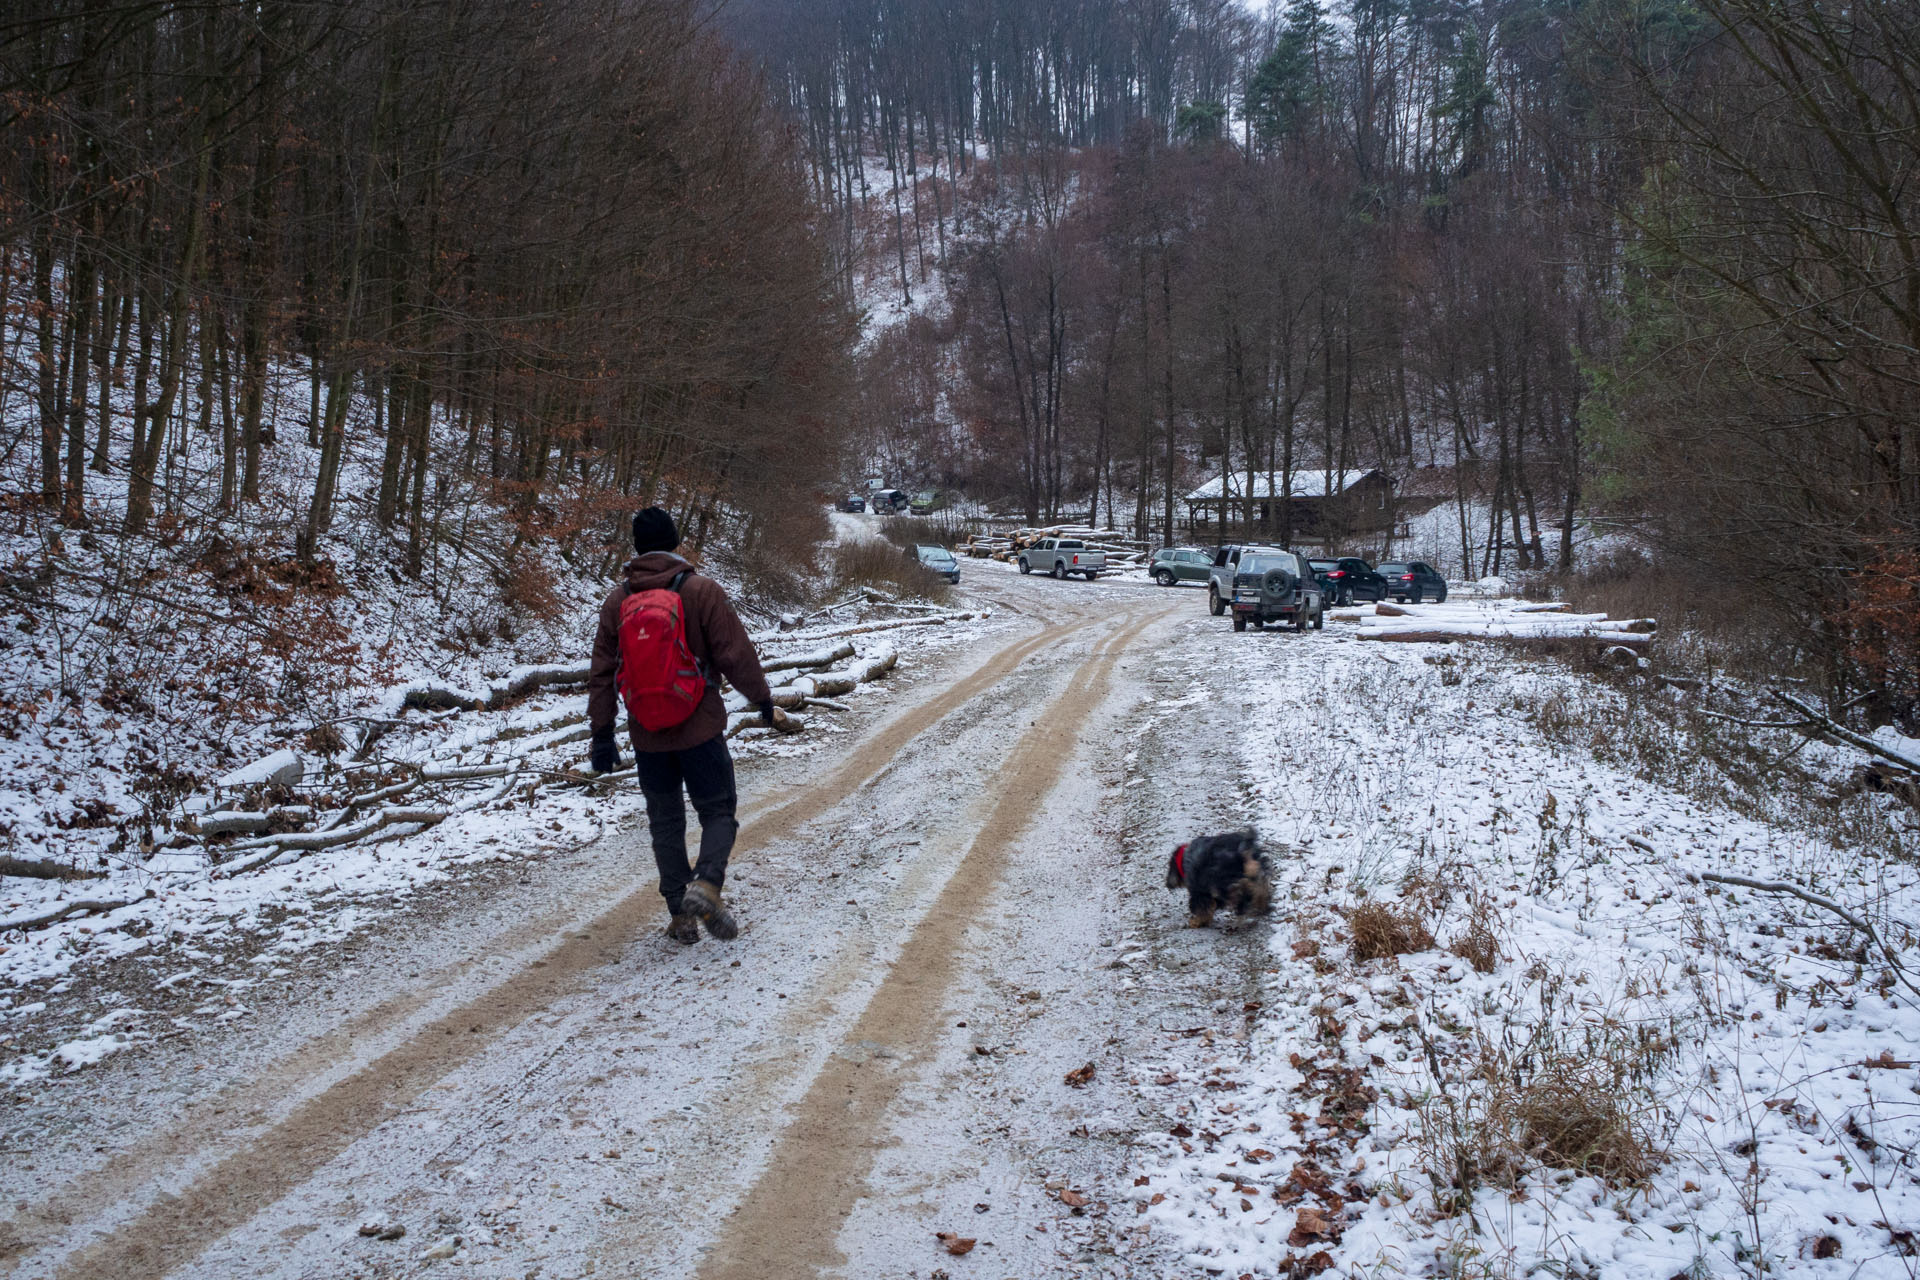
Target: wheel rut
(789,1221)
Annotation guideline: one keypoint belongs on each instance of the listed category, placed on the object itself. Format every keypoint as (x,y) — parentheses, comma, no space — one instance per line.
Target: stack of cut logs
(1122,552)
(509,762)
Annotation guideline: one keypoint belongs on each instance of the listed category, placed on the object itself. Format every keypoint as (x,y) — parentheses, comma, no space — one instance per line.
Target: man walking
(666,634)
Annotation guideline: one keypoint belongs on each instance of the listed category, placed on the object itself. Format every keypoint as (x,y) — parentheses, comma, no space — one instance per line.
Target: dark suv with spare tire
(1266,584)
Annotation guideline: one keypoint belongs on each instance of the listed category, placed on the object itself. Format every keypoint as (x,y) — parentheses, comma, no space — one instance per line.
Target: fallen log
(1825,724)
(85,906)
(527,682)
(892,624)
(815,658)
(44,869)
(1418,635)
(307,842)
(227,822)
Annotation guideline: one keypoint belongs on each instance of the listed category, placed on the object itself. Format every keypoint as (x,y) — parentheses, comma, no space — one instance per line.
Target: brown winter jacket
(714,634)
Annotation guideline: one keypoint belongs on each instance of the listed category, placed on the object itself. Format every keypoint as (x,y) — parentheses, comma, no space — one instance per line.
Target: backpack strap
(674,587)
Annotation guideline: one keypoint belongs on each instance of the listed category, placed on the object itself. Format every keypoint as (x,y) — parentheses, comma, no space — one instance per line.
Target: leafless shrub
(528,590)
(917,531)
(1379,930)
(884,567)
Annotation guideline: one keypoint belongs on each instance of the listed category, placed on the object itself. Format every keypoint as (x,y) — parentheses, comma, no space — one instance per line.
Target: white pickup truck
(1062,557)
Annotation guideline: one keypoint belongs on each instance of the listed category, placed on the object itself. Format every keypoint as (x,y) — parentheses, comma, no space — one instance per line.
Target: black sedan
(1348,579)
(1413,581)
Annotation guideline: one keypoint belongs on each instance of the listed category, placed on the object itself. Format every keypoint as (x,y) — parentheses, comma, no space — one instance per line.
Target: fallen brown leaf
(955,1243)
(1073,1199)
(1080,1075)
(1312,1225)
(1826,1247)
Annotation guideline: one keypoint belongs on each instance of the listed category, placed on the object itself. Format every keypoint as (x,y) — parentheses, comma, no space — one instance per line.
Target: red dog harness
(1180,861)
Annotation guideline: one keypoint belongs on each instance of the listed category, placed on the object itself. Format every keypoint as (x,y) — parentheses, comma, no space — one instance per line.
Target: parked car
(853,502)
(938,560)
(1220,577)
(1179,564)
(1413,581)
(1061,557)
(1269,585)
(1349,578)
(887,502)
(927,501)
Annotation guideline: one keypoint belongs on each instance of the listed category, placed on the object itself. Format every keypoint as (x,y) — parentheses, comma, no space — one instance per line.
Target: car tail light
(1076,559)
(1406,577)
(1338,573)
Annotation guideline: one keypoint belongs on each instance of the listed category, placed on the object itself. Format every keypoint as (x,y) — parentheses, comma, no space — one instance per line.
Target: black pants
(706,773)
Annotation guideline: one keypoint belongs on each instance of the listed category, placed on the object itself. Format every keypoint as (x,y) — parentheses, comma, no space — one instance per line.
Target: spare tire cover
(1276,581)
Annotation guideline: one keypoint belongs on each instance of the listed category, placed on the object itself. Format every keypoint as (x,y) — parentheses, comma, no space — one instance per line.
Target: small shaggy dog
(1221,871)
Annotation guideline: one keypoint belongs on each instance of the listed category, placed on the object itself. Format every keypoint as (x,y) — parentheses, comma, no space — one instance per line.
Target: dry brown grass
(1380,929)
(884,567)
(1575,1114)
(1478,945)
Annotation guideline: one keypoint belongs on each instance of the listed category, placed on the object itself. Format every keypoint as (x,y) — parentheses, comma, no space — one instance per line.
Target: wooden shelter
(1320,507)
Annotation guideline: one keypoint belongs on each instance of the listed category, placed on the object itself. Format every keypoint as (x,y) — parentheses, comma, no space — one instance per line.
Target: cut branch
(85,906)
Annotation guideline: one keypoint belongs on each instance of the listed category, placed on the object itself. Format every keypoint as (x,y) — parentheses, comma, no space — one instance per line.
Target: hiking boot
(684,928)
(702,901)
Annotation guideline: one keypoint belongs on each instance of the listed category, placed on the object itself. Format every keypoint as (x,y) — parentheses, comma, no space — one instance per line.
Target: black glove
(766,710)
(605,756)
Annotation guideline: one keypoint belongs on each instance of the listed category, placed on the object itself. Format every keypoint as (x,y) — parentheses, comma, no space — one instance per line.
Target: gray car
(939,560)
(1179,564)
(1268,584)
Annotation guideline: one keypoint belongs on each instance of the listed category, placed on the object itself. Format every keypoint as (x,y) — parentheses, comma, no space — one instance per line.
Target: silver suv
(1265,584)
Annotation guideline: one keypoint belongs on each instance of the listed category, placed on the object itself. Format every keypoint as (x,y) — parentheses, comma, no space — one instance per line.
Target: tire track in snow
(789,1222)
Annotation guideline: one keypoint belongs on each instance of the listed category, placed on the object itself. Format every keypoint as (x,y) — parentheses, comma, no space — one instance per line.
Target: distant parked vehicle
(1062,557)
(1179,564)
(1413,581)
(1270,585)
(927,501)
(853,502)
(1220,576)
(938,560)
(1349,578)
(888,502)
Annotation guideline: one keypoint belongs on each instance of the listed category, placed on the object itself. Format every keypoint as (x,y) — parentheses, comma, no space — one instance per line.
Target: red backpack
(660,680)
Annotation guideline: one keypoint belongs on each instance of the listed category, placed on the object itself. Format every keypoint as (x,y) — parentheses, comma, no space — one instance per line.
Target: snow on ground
(1657,1077)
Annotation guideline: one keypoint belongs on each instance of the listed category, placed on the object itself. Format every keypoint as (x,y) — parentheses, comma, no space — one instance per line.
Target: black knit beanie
(653,530)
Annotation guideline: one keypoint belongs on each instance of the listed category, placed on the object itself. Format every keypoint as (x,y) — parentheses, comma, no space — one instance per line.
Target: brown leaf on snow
(1313,1226)
(1180,1131)
(1826,1247)
(1080,1075)
(1167,1078)
(1073,1199)
(1886,1062)
(955,1243)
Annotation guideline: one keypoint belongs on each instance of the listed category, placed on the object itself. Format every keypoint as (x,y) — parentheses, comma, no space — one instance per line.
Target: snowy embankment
(1510,1026)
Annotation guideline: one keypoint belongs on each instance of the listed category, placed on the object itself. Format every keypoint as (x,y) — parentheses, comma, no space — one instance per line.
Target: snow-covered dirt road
(965,1033)
(545,1078)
